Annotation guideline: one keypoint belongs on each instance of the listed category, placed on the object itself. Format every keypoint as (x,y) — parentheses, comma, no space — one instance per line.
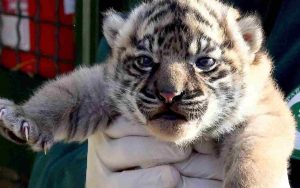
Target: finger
(159,176)
(211,167)
(187,182)
(122,127)
(133,151)
(205,147)
(97,173)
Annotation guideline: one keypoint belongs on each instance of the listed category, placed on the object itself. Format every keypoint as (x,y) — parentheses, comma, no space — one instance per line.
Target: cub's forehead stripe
(211,12)
(158,14)
(202,44)
(178,10)
(156,7)
(206,46)
(168,16)
(199,17)
(145,43)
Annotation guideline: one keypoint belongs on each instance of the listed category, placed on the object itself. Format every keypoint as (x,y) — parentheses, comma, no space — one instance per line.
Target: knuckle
(107,159)
(169,176)
(182,153)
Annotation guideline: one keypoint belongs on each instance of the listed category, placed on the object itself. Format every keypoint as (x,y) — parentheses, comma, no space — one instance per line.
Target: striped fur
(221,104)
(157,49)
(175,34)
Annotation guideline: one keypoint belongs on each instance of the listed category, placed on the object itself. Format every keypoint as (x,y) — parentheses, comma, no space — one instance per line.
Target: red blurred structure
(37,36)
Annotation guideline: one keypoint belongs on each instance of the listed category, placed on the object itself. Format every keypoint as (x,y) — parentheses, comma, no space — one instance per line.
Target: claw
(25,128)
(2,112)
(45,147)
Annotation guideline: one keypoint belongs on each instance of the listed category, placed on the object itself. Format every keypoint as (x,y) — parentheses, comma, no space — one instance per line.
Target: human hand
(126,156)
(201,169)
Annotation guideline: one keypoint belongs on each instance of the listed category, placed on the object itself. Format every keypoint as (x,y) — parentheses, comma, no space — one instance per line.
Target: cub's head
(185,67)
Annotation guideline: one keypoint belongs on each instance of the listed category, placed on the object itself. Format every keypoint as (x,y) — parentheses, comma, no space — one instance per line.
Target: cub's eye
(205,63)
(144,62)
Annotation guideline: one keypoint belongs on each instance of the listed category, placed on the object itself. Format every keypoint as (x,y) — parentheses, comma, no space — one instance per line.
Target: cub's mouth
(171,125)
(168,115)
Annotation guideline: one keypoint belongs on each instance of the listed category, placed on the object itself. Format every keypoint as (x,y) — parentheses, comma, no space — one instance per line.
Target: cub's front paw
(16,127)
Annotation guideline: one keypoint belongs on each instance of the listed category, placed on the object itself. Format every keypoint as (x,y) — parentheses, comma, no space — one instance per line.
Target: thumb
(211,166)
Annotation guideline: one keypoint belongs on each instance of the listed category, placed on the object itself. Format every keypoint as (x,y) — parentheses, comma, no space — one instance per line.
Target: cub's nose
(169,97)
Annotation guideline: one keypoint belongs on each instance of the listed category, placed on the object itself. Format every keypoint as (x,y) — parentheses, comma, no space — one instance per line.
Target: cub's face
(180,67)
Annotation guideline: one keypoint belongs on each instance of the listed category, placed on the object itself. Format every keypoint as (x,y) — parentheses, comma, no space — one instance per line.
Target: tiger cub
(184,69)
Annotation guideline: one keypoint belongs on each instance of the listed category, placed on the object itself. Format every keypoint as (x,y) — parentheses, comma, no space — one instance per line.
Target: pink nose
(168,97)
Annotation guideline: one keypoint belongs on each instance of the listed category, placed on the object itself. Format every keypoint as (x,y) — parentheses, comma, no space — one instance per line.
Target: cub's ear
(112,22)
(252,32)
